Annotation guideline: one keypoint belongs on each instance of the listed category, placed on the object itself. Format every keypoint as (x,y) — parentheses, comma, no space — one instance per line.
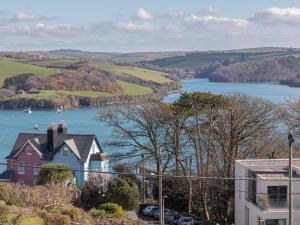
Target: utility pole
(144,188)
(160,186)
(291,141)
(190,186)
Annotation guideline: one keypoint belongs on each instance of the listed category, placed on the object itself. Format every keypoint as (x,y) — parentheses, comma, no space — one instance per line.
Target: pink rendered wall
(29,160)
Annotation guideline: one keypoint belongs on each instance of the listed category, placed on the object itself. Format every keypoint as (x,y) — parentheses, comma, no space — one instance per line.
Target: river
(84,120)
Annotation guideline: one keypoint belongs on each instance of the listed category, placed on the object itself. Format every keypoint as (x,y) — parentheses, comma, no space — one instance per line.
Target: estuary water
(84,120)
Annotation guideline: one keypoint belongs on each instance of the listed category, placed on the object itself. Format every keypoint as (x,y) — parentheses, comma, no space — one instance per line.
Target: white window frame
(28,151)
(66,150)
(36,168)
(21,181)
(21,168)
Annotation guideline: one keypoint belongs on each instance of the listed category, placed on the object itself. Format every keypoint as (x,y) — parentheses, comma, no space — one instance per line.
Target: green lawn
(143,74)
(134,89)
(9,68)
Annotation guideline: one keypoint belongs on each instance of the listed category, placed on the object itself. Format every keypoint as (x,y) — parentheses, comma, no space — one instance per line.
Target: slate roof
(6,175)
(83,143)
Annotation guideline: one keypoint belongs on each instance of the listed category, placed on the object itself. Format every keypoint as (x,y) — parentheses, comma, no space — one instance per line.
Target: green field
(55,63)
(143,74)
(61,94)
(134,89)
(10,68)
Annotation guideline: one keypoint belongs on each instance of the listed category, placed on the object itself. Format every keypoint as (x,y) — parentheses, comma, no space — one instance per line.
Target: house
(33,91)
(81,152)
(261,192)
(20,92)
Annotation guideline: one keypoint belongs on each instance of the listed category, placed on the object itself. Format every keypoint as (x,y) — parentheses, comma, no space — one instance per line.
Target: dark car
(142,207)
(170,216)
(174,220)
(153,212)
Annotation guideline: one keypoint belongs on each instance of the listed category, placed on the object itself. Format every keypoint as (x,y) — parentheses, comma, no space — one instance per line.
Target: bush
(112,209)
(55,174)
(123,193)
(2,204)
(73,213)
(36,196)
(31,221)
(97,213)
(57,219)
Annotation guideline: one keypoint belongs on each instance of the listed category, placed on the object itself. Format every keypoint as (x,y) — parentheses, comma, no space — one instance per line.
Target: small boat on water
(28,110)
(36,126)
(59,109)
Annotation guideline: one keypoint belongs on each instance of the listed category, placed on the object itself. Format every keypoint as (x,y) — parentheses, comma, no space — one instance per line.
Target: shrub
(97,213)
(57,219)
(112,209)
(31,221)
(123,193)
(2,204)
(72,212)
(55,174)
(55,211)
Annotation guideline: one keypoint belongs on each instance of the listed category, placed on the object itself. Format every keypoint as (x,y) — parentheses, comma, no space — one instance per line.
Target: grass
(134,89)
(61,94)
(143,74)
(57,63)
(9,68)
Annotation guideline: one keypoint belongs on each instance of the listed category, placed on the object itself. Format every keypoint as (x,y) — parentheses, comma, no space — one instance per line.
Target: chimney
(62,128)
(52,137)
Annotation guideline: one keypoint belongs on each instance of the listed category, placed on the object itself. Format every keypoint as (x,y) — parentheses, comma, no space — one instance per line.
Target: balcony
(265,203)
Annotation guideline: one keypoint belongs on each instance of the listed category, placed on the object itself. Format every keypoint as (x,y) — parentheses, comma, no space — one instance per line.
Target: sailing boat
(28,110)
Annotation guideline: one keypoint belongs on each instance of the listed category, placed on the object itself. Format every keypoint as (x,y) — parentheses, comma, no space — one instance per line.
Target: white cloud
(146,27)
(142,14)
(216,22)
(212,9)
(276,15)
(22,16)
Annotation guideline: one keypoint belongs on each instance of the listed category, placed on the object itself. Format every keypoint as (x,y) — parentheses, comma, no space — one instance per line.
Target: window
(275,222)
(36,169)
(35,182)
(21,181)
(28,151)
(21,168)
(277,193)
(66,151)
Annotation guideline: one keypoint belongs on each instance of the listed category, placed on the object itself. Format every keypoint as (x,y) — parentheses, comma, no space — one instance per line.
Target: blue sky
(148,25)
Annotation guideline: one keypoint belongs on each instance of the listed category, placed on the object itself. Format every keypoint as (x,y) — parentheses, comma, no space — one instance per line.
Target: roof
(6,175)
(80,144)
(98,157)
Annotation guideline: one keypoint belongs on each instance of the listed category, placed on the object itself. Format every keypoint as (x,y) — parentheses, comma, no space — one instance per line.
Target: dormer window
(28,151)
(66,151)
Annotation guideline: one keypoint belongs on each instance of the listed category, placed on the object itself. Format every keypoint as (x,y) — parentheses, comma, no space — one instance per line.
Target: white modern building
(261,192)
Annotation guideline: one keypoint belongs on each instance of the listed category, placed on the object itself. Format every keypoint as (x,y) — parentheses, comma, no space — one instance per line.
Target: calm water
(85,120)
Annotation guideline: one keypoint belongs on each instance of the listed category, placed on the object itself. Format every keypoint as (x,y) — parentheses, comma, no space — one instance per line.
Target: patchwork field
(141,73)
(9,68)
(54,63)
(134,89)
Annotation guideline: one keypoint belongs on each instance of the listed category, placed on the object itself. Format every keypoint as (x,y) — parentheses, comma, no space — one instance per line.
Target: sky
(148,25)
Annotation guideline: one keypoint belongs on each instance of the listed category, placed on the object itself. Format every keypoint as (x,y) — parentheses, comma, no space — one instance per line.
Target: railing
(265,203)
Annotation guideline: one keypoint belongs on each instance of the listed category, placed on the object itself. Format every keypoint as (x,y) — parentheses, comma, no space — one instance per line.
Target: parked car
(148,209)
(171,217)
(185,220)
(156,214)
(142,207)
(153,211)
(174,219)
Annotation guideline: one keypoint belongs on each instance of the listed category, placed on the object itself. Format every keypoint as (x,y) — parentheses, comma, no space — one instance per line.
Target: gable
(29,150)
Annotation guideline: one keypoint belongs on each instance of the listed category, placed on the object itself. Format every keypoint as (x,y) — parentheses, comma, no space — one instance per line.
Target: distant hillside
(246,65)
(70,82)
(115,56)
(9,68)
